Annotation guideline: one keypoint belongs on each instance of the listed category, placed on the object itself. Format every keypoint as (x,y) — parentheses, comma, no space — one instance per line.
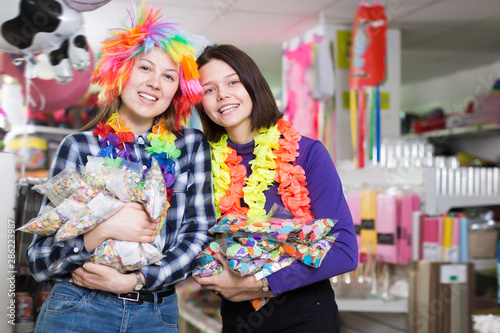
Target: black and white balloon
(28,27)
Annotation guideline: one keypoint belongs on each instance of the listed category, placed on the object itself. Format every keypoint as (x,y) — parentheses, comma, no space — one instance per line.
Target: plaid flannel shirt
(184,233)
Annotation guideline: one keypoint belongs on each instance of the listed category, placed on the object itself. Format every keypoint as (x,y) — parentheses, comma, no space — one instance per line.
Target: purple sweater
(327,201)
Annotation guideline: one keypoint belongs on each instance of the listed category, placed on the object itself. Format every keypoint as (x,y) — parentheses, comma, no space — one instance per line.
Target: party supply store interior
(418,157)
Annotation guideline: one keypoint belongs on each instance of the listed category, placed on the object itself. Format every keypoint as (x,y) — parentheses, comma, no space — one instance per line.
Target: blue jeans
(70,308)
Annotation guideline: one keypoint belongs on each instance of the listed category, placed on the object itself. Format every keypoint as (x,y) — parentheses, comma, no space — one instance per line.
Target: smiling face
(148,93)
(226,101)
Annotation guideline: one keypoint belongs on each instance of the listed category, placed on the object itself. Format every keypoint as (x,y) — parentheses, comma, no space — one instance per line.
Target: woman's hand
(131,223)
(105,278)
(231,286)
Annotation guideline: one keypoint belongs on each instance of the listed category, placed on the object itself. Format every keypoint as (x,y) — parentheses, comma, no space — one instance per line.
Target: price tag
(453,274)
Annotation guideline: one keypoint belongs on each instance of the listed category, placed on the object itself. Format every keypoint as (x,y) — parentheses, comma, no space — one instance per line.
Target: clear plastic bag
(126,256)
(154,193)
(51,218)
(68,183)
(96,211)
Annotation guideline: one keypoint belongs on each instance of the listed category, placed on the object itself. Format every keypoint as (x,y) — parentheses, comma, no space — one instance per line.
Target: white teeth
(151,98)
(228,107)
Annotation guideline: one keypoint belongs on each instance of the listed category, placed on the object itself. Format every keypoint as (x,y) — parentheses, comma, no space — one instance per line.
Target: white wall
(450,92)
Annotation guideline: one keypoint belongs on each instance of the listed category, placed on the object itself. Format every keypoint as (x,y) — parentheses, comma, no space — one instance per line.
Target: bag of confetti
(126,256)
(247,267)
(312,230)
(272,266)
(207,255)
(235,250)
(211,268)
(241,226)
(95,173)
(123,180)
(311,254)
(68,183)
(265,244)
(96,211)
(52,218)
(154,193)
(125,183)
(253,266)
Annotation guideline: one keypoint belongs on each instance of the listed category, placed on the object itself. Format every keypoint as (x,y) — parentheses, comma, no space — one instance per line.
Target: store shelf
(444,203)
(197,318)
(32,129)
(485,264)
(376,175)
(372,305)
(439,203)
(457,131)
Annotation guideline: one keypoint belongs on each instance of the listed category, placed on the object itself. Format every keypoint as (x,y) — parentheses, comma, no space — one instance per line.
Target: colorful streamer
(367,69)
(354,125)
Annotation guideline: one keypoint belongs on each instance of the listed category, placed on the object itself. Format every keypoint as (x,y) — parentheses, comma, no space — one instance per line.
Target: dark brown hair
(265,112)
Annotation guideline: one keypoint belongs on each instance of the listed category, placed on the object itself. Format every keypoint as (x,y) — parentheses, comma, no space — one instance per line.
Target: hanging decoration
(47,34)
(86,5)
(45,26)
(301,107)
(367,71)
(324,77)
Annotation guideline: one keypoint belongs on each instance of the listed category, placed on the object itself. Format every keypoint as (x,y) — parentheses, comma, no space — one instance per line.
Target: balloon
(85,6)
(28,27)
(48,95)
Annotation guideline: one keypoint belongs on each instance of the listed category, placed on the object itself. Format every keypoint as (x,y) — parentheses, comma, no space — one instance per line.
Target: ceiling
(438,36)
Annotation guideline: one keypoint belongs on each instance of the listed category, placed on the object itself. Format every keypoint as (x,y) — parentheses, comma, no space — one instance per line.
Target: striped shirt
(184,233)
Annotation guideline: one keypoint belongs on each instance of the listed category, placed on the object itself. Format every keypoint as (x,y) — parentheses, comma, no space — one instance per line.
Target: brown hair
(265,112)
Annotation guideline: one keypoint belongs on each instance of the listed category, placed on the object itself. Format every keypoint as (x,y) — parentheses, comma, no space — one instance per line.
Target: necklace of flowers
(274,161)
(114,135)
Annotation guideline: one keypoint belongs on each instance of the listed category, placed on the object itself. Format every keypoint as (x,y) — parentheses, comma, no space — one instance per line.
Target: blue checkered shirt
(184,233)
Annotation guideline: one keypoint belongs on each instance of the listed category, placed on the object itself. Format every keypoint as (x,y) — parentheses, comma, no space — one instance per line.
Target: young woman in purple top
(238,111)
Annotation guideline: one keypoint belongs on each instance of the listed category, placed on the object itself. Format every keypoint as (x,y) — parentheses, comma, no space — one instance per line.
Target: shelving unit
(435,204)
(22,132)
(480,141)
(372,305)
(457,131)
(32,129)
(380,176)
(423,178)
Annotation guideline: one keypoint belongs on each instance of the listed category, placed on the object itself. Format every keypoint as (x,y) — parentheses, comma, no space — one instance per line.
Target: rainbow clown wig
(147,30)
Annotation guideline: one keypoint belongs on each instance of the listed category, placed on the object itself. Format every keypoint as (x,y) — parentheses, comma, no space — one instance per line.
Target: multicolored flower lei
(274,161)
(115,135)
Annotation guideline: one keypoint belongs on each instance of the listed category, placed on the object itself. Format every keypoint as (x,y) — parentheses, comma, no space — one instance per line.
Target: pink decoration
(301,109)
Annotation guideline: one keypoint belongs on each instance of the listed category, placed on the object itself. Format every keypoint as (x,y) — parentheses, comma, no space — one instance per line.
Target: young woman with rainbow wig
(149,81)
